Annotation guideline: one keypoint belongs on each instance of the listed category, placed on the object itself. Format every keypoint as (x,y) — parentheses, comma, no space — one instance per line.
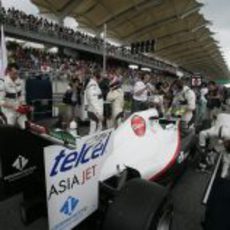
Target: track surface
(187,196)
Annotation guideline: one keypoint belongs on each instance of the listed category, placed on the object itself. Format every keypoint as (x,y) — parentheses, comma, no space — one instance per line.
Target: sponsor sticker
(72,179)
(21,165)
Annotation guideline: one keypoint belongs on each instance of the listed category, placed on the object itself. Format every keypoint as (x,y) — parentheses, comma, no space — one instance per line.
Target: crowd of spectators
(209,97)
(29,22)
(195,104)
(159,90)
(169,96)
(63,67)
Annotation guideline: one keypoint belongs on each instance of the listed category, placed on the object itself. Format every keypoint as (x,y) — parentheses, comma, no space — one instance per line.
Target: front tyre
(140,205)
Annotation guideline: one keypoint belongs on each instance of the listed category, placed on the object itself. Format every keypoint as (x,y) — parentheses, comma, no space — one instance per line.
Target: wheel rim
(165,220)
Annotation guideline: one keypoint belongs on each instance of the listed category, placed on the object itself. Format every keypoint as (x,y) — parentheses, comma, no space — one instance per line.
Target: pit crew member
(116,97)
(184,102)
(140,94)
(12,97)
(94,103)
(220,130)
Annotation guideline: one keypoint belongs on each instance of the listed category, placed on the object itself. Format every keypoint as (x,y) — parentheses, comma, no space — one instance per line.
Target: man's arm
(2,93)
(208,133)
(22,97)
(111,96)
(139,89)
(92,99)
(3,103)
(191,101)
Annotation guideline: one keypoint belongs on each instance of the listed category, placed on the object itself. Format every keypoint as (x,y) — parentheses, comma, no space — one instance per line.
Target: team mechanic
(220,130)
(95,103)
(184,102)
(12,97)
(116,97)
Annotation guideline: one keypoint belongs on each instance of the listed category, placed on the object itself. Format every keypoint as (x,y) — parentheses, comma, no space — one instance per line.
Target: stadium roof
(181,32)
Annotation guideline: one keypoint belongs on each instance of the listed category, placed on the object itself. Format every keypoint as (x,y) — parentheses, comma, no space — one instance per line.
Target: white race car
(152,149)
(147,153)
(150,145)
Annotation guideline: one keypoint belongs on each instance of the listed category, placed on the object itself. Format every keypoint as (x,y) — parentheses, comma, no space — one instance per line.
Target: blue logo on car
(69,206)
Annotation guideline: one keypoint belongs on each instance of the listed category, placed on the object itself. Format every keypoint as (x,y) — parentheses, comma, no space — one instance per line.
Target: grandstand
(181,45)
(36,29)
(180,30)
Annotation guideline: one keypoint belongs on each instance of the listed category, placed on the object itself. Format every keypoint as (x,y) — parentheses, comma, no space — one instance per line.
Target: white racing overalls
(220,130)
(185,102)
(95,106)
(12,93)
(116,97)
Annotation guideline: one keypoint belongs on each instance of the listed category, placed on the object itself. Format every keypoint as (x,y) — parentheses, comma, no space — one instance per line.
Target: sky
(217,11)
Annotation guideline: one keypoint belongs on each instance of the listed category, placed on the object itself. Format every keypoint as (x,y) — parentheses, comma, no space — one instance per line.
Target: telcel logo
(69,206)
(20,163)
(66,161)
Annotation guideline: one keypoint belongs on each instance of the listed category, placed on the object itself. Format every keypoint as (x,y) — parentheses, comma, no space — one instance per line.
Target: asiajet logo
(20,163)
(69,206)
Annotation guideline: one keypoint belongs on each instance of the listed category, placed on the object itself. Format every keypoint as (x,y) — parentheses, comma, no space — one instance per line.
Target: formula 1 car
(148,153)
(150,145)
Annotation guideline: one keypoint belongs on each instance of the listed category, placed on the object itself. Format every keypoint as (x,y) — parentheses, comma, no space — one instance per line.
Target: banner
(3,54)
(72,179)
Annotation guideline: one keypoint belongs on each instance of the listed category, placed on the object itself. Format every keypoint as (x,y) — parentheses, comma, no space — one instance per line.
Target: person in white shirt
(220,130)
(116,97)
(202,104)
(157,98)
(140,94)
(95,103)
(12,97)
(184,101)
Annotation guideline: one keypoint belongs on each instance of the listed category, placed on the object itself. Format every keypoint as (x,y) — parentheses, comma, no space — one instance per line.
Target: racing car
(148,155)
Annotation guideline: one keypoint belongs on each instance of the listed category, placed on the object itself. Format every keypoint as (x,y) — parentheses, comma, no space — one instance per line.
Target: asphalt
(187,196)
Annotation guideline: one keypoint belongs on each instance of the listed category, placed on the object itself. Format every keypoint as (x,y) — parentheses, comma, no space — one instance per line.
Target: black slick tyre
(140,205)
